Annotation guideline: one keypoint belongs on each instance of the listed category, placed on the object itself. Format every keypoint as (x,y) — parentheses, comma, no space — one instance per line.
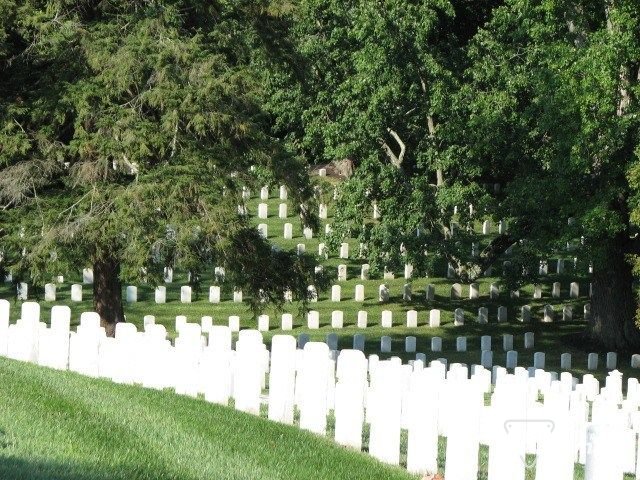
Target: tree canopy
(127,130)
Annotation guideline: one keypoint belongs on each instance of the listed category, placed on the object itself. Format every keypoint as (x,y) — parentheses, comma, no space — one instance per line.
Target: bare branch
(403,147)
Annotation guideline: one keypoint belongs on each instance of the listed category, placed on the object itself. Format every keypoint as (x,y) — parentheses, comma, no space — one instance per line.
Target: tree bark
(107,293)
(613,303)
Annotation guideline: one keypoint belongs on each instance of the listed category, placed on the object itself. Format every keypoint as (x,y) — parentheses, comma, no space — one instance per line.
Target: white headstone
(406,292)
(132,294)
(430,293)
(288,231)
(386,319)
(282,211)
(364,271)
(362,319)
(336,293)
(263,211)
(76,292)
(87,276)
(313,320)
(412,319)
(160,294)
(383,293)
(483,315)
(342,273)
(50,292)
(434,318)
(359,293)
(337,320)
(185,294)
(214,294)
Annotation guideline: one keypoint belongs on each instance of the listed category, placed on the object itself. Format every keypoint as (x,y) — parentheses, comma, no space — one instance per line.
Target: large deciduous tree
(553,114)
(528,110)
(127,129)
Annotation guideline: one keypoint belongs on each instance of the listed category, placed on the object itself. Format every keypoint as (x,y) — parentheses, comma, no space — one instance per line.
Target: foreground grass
(59,425)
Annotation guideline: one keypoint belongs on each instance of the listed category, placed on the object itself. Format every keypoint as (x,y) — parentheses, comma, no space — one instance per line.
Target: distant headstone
(132,294)
(543,269)
(263,211)
(528,340)
(483,315)
(313,320)
(322,211)
(385,344)
(434,318)
(214,294)
(76,292)
(410,344)
(50,292)
(386,319)
(406,292)
(430,293)
(160,294)
(359,295)
(537,292)
(185,294)
(336,293)
(565,361)
(337,320)
(358,342)
(288,231)
(383,293)
(87,276)
(412,319)
(362,319)
(458,317)
(237,295)
(592,361)
(574,290)
(286,322)
(364,271)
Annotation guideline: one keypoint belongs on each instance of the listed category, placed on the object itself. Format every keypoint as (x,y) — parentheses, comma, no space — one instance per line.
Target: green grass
(59,425)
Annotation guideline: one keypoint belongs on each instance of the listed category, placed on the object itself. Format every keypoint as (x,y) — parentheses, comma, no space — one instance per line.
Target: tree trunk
(613,303)
(107,293)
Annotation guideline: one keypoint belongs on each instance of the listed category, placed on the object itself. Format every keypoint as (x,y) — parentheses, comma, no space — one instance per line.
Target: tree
(525,110)
(554,117)
(127,129)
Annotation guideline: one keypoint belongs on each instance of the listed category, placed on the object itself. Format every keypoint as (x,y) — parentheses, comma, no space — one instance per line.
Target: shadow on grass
(14,468)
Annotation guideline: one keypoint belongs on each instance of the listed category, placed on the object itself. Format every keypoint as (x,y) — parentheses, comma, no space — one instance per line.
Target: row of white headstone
(575,422)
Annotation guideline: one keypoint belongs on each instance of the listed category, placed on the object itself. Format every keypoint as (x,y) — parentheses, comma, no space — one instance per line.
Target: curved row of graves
(561,419)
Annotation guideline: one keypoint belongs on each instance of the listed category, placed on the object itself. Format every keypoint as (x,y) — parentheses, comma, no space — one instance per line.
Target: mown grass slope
(62,426)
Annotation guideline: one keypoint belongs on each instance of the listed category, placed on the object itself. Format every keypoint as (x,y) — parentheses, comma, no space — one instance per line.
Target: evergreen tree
(127,129)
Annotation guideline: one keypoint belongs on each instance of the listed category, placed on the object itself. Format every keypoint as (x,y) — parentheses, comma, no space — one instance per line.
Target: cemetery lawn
(63,426)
